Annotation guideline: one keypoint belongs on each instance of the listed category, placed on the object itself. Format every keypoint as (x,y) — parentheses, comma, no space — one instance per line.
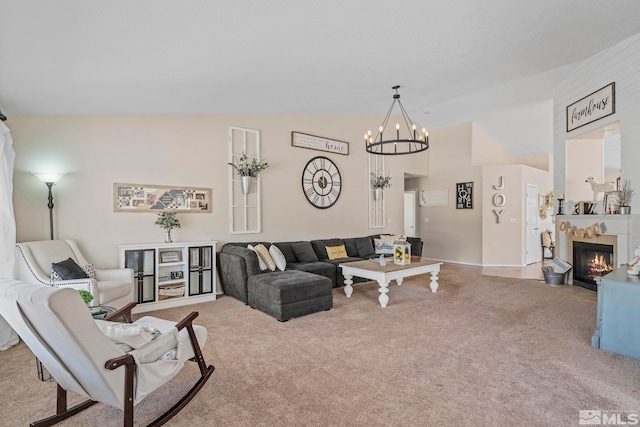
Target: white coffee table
(371,269)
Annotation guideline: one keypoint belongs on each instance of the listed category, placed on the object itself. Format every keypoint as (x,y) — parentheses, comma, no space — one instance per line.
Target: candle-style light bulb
(414,131)
(397,130)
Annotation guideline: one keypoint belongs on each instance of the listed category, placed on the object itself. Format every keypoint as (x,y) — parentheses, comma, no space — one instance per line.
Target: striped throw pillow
(263,254)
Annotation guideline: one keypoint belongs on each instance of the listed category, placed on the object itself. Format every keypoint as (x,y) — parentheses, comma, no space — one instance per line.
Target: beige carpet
(481,351)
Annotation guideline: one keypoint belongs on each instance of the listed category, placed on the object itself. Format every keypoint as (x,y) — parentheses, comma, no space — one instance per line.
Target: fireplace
(591,261)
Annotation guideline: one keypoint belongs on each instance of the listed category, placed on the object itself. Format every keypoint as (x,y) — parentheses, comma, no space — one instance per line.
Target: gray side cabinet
(618,315)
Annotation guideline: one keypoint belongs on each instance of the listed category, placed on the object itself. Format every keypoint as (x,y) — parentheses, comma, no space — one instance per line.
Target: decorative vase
(246,184)
(382,261)
(377,193)
(625,210)
(168,239)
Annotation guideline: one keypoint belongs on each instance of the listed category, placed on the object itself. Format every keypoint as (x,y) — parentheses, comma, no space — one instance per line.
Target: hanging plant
(246,168)
(380,181)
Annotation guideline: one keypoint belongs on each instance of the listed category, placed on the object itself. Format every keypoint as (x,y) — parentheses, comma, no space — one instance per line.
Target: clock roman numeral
(334,193)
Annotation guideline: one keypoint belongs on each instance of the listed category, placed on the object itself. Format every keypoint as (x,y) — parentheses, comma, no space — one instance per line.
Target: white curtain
(8,337)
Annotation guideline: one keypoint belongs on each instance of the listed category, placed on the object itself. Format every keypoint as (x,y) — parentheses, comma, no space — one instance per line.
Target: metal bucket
(553,278)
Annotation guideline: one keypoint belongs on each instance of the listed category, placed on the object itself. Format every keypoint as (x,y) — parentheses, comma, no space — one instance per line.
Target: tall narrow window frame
(376,207)
(244,209)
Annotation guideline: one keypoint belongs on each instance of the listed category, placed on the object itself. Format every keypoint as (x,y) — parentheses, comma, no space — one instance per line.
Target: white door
(410,213)
(532,243)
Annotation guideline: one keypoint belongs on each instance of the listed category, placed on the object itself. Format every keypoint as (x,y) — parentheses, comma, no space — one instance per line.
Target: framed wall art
(158,198)
(313,142)
(599,104)
(464,195)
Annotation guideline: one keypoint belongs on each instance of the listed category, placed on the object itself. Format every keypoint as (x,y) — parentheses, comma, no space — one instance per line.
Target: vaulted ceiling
(493,62)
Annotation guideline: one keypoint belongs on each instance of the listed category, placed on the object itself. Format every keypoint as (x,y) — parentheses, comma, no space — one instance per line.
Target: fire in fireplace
(591,261)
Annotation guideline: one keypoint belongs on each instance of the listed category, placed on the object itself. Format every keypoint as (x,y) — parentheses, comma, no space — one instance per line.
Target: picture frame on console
(170,256)
(610,202)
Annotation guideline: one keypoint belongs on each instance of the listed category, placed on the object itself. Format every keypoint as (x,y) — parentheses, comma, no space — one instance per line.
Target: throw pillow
(278,257)
(261,263)
(55,277)
(90,270)
(350,245)
(336,252)
(383,246)
(365,247)
(263,254)
(304,252)
(68,270)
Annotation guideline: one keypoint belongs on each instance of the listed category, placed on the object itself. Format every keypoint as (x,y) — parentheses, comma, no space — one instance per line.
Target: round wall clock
(321,182)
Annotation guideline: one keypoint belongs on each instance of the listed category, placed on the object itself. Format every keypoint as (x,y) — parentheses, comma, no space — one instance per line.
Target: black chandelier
(415,142)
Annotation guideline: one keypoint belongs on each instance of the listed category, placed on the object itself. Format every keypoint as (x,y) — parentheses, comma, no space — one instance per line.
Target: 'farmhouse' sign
(599,104)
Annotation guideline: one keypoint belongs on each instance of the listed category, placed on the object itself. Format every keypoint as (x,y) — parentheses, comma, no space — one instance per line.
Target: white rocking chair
(58,328)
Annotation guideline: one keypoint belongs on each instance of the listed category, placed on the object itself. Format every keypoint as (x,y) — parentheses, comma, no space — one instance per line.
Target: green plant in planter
(86,296)
(380,181)
(168,221)
(245,168)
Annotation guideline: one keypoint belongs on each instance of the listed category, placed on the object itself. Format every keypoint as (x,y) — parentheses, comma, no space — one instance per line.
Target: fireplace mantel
(625,228)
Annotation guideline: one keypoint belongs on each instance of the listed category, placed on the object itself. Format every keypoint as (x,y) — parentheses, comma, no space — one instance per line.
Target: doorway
(410,197)
(533,252)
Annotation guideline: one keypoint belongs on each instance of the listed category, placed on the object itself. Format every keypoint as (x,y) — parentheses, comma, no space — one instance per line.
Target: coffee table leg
(384,290)
(434,281)
(399,281)
(348,289)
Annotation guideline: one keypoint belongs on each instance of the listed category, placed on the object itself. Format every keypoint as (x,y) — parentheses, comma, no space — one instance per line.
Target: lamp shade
(49,177)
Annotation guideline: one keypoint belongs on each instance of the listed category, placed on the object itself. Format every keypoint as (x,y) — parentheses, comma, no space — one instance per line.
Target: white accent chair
(58,328)
(113,287)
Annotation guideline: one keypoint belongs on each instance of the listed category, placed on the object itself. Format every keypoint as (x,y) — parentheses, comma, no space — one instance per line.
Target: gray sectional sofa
(238,265)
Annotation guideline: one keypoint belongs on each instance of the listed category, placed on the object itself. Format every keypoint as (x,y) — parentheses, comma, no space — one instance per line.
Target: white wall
(96,151)
(465,153)
(619,64)
(504,244)
(451,234)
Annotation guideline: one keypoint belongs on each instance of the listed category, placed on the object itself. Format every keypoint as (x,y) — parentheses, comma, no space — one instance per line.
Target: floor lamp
(49,179)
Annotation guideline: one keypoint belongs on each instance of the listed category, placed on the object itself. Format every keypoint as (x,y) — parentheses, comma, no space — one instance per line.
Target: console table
(171,274)
(618,317)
